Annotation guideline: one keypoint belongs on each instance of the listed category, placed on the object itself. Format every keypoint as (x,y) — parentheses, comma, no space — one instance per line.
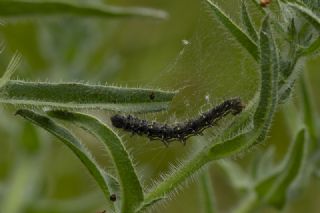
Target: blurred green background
(190,51)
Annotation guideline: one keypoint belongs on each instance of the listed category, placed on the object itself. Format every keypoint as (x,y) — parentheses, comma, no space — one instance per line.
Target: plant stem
(208,197)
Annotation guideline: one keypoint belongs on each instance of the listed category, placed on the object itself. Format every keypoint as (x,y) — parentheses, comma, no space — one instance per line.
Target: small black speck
(113,197)
(152,96)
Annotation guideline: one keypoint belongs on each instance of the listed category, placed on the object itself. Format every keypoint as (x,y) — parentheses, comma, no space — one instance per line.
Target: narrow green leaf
(132,194)
(76,147)
(278,192)
(307,14)
(12,67)
(269,80)
(313,4)
(16,8)
(247,22)
(207,194)
(80,96)
(235,30)
(313,48)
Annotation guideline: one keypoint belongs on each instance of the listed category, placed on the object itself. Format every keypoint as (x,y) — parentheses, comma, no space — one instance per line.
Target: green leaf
(247,22)
(12,67)
(307,14)
(313,48)
(16,8)
(235,30)
(269,61)
(277,194)
(313,4)
(76,147)
(132,194)
(84,96)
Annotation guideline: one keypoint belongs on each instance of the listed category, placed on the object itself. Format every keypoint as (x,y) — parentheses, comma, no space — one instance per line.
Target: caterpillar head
(237,106)
(118,121)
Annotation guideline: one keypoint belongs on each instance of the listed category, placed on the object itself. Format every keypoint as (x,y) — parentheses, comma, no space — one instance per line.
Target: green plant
(285,38)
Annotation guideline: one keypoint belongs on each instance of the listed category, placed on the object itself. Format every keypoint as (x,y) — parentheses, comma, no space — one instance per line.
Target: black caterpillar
(179,131)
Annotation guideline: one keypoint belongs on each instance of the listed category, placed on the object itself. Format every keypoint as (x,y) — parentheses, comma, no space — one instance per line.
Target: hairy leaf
(80,96)
(235,30)
(132,194)
(307,14)
(12,67)
(247,22)
(269,81)
(313,48)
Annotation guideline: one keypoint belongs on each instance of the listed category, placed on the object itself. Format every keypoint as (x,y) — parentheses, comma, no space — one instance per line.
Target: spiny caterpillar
(180,131)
